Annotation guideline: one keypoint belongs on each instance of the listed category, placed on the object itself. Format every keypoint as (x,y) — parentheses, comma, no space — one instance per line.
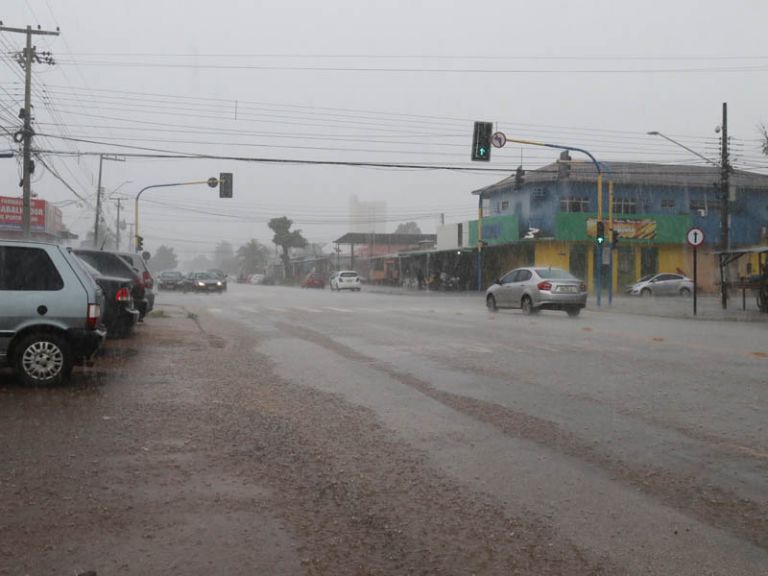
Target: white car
(345,280)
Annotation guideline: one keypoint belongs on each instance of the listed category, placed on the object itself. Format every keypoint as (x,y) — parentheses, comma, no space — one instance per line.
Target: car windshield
(383,260)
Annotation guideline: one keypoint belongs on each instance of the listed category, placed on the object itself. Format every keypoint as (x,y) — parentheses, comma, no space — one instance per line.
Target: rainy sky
(387,82)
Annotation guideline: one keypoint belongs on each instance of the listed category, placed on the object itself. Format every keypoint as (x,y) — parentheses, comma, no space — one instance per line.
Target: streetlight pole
(212,182)
(725,171)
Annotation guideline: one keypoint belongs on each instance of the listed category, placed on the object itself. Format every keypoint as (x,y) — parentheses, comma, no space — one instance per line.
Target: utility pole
(117,226)
(102,157)
(725,170)
(27,58)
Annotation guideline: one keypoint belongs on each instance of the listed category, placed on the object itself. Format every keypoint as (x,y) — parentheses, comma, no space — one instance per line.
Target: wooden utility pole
(28,57)
(725,171)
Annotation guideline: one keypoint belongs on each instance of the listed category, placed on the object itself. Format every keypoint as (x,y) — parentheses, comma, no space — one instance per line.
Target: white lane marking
(215,310)
(333,309)
(312,310)
(276,309)
(249,309)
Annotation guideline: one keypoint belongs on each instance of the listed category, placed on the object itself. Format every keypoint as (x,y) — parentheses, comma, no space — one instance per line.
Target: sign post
(695,239)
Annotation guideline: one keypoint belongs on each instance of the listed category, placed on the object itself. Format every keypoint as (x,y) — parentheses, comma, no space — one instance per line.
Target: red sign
(45,217)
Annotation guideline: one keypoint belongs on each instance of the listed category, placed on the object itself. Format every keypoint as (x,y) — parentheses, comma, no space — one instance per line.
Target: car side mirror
(497,281)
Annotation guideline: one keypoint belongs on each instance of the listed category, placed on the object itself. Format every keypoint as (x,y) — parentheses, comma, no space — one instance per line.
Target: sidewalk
(708,307)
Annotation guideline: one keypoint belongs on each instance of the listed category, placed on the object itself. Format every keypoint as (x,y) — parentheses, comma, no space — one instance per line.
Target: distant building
(45,223)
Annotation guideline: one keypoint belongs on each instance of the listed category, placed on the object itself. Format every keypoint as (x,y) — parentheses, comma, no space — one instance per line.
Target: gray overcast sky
(387,81)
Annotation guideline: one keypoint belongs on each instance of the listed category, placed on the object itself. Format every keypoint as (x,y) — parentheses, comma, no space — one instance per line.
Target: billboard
(44,218)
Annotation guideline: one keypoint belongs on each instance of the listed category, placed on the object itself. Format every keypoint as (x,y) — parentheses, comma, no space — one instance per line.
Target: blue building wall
(535,205)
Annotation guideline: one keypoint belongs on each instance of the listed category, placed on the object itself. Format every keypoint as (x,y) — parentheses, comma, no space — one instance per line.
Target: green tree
(408,228)
(164,258)
(286,238)
(253,257)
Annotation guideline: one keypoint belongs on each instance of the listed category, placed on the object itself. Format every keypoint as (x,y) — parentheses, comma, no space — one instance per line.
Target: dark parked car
(140,265)
(169,280)
(201,282)
(110,264)
(50,312)
(120,315)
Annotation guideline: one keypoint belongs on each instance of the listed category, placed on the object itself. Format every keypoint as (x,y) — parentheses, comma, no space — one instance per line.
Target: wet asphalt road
(643,440)
(285,431)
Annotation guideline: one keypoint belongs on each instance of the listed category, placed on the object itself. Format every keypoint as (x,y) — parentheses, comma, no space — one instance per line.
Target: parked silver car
(663,284)
(50,312)
(538,288)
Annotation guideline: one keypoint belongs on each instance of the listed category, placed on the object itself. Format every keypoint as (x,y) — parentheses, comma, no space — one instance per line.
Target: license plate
(568,289)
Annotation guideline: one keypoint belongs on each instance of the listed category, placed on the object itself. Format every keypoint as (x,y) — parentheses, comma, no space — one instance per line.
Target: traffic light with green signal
(600,235)
(481,141)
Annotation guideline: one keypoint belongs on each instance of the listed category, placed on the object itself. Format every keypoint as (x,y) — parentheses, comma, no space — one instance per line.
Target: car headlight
(201,284)
(218,283)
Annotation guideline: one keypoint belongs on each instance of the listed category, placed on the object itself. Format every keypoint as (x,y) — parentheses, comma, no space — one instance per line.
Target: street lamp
(683,146)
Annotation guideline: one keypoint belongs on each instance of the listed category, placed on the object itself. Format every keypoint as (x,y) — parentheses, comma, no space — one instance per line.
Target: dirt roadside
(182,453)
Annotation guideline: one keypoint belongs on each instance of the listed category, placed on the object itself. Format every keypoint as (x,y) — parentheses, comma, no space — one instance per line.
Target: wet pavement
(285,431)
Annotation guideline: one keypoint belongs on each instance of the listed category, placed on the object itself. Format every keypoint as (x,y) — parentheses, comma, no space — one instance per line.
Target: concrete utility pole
(725,171)
(117,227)
(28,57)
(102,157)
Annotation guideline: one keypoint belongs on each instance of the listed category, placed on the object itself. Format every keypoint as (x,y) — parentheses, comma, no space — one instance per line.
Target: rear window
(28,269)
(348,274)
(108,264)
(555,274)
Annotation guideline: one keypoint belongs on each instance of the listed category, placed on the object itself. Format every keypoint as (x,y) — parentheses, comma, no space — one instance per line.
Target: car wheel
(645,292)
(490,303)
(43,359)
(527,305)
(685,292)
(573,311)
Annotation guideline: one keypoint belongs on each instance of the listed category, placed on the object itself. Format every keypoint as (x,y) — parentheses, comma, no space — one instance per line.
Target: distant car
(538,288)
(221,276)
(256,279)
(663,284)
(201,282)
(169,280)
(120,315)
(313,280)
(345,280)
(50,312)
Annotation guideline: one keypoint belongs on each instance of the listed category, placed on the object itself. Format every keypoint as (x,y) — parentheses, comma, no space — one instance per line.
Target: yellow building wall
(673,258)
(552,254)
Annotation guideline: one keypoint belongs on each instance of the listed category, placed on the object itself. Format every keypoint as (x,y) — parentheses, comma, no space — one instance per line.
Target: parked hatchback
(664,284)
(345,280)
(537,288)
(50,312)
(110,264)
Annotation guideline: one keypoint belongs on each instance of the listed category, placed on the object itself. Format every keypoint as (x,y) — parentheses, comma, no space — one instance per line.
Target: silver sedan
(537,288)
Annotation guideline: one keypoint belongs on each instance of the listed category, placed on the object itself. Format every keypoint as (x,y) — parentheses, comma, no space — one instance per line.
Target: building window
(667,203)
(624,206)
(573,204)
(504,205)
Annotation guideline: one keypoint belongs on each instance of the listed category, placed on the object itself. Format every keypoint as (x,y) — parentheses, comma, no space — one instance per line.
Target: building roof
(636,173)
(386,239)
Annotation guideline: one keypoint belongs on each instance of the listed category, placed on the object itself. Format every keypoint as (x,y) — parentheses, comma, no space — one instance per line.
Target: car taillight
(123,295)
(544,286)
(94,313)
(147,279)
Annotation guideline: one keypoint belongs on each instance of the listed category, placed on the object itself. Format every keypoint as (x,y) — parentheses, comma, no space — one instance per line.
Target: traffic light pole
(599,263)
(138,240)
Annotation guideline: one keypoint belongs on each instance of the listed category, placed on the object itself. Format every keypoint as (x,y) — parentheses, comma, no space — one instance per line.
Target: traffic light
(139,243)
(600,236)
(481,141)
(225,185)
(614,238)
